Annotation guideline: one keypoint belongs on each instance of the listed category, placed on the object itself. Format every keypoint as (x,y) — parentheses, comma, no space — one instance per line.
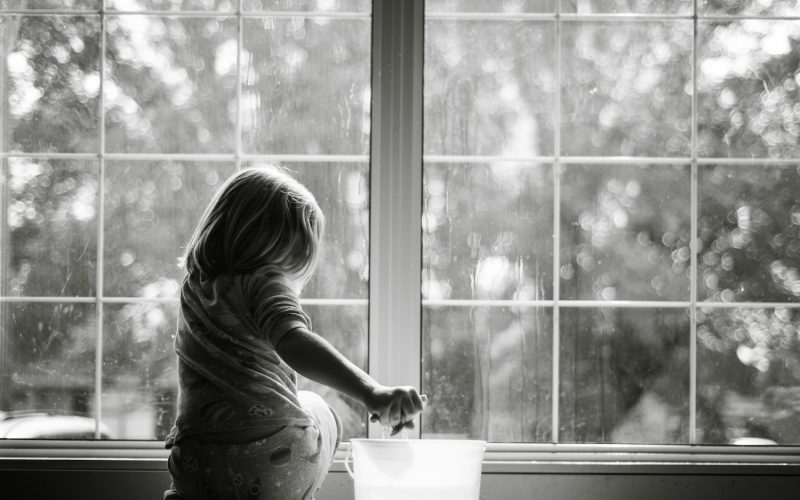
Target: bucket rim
(425,442)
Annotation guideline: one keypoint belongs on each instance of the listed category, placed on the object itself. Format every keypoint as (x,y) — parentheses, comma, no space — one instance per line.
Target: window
(105,175)
(575,153)
(572,155)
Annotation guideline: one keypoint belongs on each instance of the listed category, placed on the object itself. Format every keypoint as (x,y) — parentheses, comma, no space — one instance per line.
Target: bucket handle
(347,462)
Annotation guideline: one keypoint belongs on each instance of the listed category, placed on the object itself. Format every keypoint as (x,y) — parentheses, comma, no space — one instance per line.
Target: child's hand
(395,407)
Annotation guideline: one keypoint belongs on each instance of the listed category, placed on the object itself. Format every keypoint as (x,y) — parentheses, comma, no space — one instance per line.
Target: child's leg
(288,465)
(330,432)
(327,419)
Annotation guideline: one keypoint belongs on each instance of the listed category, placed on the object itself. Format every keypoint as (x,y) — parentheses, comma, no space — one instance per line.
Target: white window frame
(395,296)
(395,301)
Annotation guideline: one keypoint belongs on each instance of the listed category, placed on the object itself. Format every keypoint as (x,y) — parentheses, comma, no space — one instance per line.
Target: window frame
(395,302)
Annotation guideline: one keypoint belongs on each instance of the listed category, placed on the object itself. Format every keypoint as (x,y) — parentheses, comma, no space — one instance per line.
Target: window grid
(555,395)
(238,158)
(693,215)
(101,191)
(557,160)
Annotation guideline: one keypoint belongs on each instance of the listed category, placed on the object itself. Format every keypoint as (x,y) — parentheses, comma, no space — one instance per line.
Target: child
(243,430)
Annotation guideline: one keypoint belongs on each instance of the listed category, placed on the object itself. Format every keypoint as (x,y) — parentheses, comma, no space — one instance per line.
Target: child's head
(260,216)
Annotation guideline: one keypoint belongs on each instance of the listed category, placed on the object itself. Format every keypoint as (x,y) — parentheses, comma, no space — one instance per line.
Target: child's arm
(315,358)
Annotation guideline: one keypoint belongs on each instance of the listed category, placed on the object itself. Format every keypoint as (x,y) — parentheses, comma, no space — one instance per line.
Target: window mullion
(556,375)
(693,245)
(396,195)
(239,49)
(99,312)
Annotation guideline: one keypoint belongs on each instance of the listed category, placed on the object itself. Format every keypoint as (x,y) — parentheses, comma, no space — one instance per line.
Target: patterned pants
(288,465)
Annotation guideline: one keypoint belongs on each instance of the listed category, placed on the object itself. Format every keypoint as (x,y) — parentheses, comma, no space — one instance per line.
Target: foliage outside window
(571,161)
(105,175)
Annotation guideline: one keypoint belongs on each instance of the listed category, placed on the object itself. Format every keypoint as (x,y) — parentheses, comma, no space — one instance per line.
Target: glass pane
(171,84)
(747,81)
(51,84)
(504,6)
(748,376)
(625,232)
(140,380)
(346,328)
(624,376)
(487,372)
(342,191)
(749,233)
(151,210)
(489,88)
(286,106)
(51,4)
(759,7)
(487,231)
(47,366)
(50,231)
(364,6)
(627,6)
(626,88)
(136,5)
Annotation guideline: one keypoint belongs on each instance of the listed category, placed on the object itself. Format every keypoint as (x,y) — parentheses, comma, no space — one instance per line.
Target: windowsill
(499,458)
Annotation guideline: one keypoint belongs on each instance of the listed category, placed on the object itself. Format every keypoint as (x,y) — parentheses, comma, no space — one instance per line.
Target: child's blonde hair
(260,216)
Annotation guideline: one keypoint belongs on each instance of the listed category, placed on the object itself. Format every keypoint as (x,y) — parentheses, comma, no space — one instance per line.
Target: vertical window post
(396,195)
(101,193)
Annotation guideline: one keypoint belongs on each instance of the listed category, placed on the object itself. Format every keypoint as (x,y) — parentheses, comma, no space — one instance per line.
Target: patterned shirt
(230,376)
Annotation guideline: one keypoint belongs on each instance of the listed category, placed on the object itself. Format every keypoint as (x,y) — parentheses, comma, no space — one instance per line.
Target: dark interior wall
(121,484)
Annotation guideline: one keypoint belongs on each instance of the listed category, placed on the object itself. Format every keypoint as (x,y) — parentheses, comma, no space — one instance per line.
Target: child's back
(243,430)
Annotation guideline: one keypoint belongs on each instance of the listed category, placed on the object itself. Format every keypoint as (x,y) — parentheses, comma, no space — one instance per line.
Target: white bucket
(416,469)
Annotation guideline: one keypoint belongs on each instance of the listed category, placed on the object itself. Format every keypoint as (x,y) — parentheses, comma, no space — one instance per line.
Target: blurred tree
(487,229)
(625,229)
(170,87)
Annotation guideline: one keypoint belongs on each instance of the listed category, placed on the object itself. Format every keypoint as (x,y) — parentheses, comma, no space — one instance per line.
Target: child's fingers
(409,407)
(401,426)
(395,412)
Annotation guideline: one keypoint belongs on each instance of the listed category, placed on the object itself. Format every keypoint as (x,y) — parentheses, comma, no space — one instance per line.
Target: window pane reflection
(749,7)
(136,5)
(749,233)
(748,371)
(52,83)
(489,88)
(487,372)
(625,232)
(171,84)
(487,231)
(624,376)
(627,6)
(364,6)
(50,239)
(286,106)
(626,88)
(140,381)
(747,83)
(47,366)
(505,6)
(51,4)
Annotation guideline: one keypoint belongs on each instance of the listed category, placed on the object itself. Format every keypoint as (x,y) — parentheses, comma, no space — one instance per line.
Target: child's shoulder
(268,276)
